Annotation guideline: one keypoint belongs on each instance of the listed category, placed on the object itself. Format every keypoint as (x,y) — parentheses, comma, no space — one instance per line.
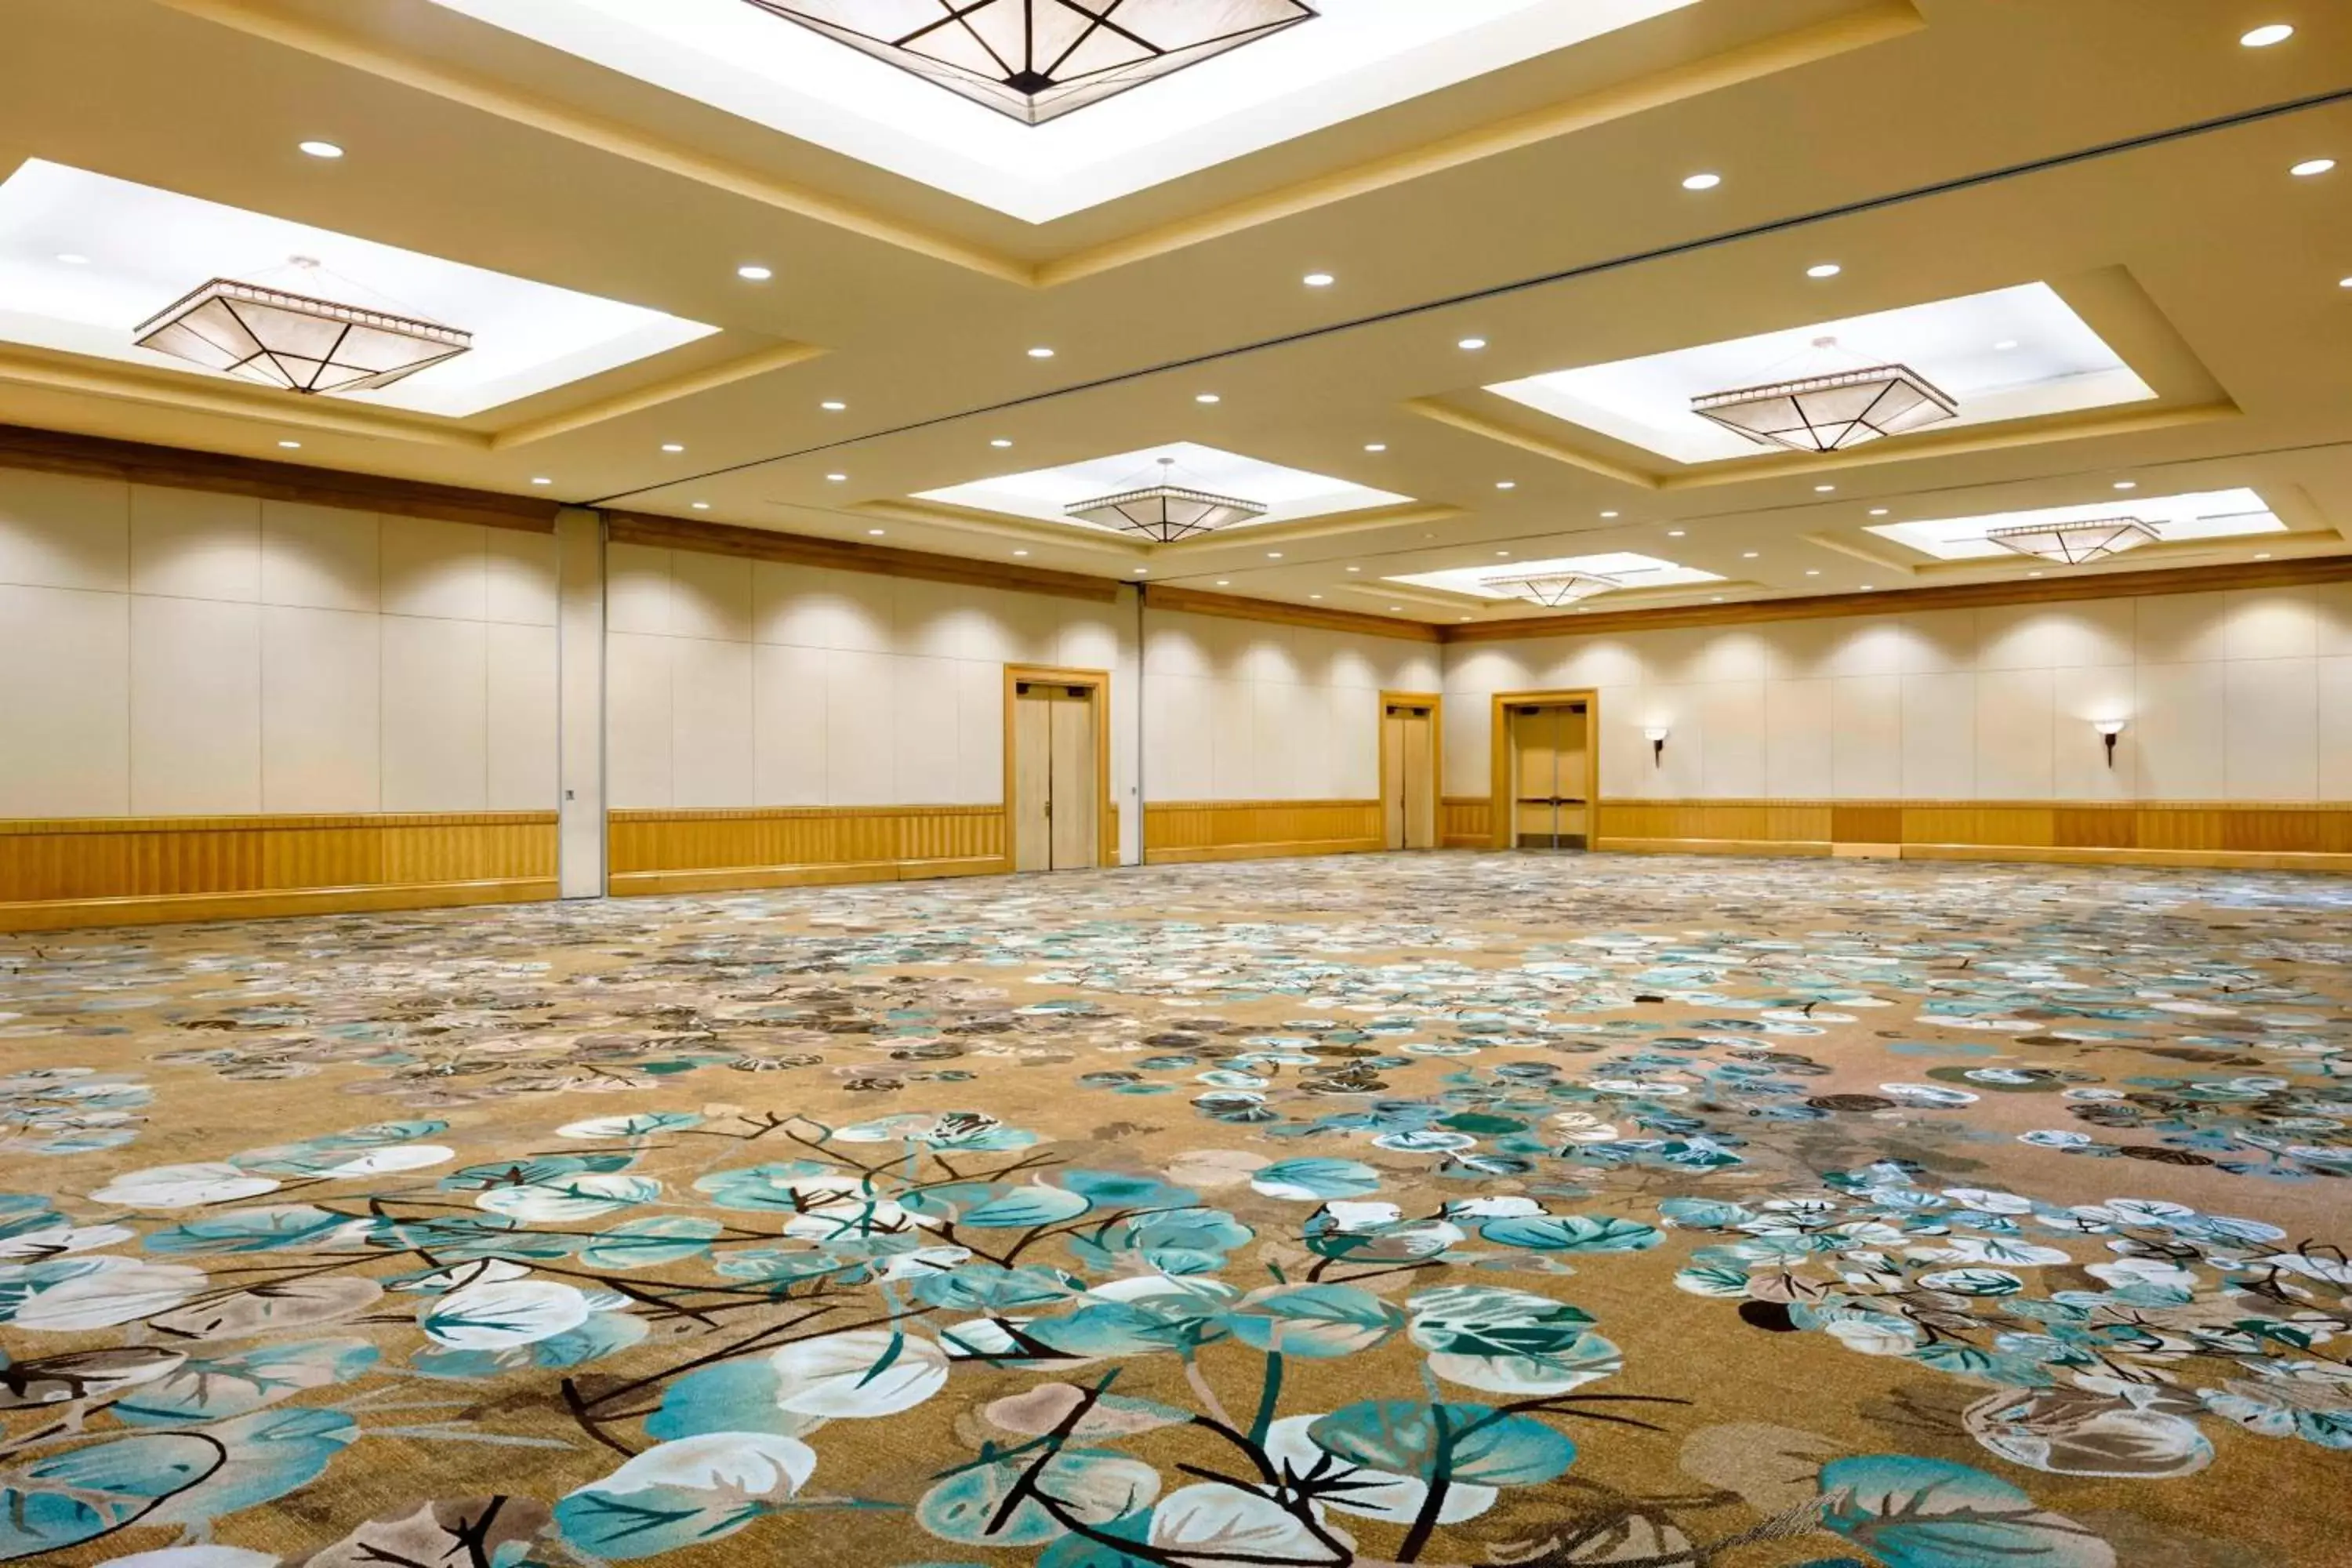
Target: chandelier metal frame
(240,328)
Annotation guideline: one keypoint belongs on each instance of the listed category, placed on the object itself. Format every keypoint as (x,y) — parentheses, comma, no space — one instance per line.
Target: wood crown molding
(880,560)
(1232,607)
(1902,601)
(135,462)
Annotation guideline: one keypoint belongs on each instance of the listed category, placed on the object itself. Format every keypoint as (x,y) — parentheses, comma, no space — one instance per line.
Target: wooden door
(1535,746)
(1032,777)
(1572,757)
(1409,775)
(1076,813)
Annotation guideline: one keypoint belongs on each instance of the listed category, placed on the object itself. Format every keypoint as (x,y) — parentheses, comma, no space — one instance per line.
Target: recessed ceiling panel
(2013,353)
(1634,573)
(2209,514)
(1044,495)
(1354,57)
(85,260)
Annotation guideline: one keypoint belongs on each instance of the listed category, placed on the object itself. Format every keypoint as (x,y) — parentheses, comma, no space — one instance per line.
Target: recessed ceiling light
(702,506)
(1506,484)
(2127,484)
(2311,166)
(1701,182)
(322,148)
(1000,442)
(1383,445)
(1812,570)
(1208,397)
(2344,283)
(1878,512)
(754,274)
(1314,595)
(1718,598)
(1676,532)
(73,258)
(875,533)
(1276,556)
(1318,280)
(1396,609)
(2034,574)
(1824,489)
(1868,588)
(1750,554)
(1224,582)
(2262,37)
(1823,270)
(1142,571)
(542,479)
(2265,555)
(1610,514)
(292,445)
(1355,569)
(1041,354)
(1472,344)
(833,405)
(672,447)
(837,479)
(1502,552)
(1020,552)
(1462,618)
(2005,345)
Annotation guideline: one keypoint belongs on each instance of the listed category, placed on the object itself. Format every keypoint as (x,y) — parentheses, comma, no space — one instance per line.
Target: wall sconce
(2109,730)
(1656,735)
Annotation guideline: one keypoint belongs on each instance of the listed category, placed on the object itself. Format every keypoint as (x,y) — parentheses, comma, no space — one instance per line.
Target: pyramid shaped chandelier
(1166,512)
(1553,590)
(1832,412)
(297,340)
(2075,543)
(1037,59)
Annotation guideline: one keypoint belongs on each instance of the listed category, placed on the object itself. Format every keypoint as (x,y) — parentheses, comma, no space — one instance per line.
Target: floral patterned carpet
(1454,1209)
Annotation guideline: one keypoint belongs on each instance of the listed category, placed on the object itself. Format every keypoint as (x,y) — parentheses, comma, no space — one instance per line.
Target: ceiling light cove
(2175,519)
(942,91)
(171,281)
(1621,569)
(1071,494)
(1885,373)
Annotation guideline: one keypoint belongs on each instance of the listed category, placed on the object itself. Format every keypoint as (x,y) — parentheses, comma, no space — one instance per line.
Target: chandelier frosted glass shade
(298,342)
(2075,543)
(1165,513)
(1037,60)
(1831,413)
(1553,590)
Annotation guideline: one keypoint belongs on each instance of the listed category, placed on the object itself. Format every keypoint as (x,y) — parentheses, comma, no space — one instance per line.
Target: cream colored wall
(743,683)
(1250,710)
(172,652)
(2233,696)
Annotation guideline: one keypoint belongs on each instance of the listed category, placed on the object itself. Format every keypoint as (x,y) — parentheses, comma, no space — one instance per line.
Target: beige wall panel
(320,557)
(860,731)
(1856,645)
(61,531)
(1266,655)
(1092,640)
(712,724)
(2183,629)
(1287,738)
(521,573)
(1481,668)
(1617,735)
(524,701)
(710,596)
(788,685)
(1469,747)
(636,589)
(1731,655)
(65,699)
(1938,642)
(1800,740)
(811,607)
(193,544)
(435,715)
(1177,748)
(1172,647)
(1351,742)
(1604,661)
(2079,697)
(434,569)
(1939,743)
(980,734)
(2053,637)
(2180,731)
(925,730)
(1867,759)
(2015,724)
(195,707)
(2331,617)
(1235,764)
(2273,727)
(1731,721)
(2335,682)
(321,719)
(2271,625)
(638,722)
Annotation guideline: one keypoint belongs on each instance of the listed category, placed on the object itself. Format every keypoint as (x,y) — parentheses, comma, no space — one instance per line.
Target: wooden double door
(1549,758)
(1057,775)
(1409,772)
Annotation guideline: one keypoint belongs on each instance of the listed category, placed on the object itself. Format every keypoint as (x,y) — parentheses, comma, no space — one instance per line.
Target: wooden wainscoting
(2233,835)
(1466,822)
(794,846)
(121,870)
(1179,831)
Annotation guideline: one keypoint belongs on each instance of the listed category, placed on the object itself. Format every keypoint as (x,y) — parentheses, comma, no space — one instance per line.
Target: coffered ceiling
(808,326)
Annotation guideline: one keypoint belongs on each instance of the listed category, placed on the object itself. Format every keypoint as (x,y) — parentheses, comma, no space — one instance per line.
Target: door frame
(1435,702)
(1502,787)
(1098,684)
